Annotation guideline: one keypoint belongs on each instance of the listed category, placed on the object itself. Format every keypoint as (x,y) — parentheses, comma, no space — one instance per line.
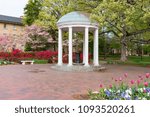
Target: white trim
(60,47)
(70,47)
(78,25)
(86,46)
(96,53)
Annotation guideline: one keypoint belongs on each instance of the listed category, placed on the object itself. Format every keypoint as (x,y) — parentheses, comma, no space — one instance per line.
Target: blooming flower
(144,91)
(148,90)
(120,79)
(132,81)
(101,86)
(123,94)
(95,92)
(110,86)
(129,91)
(108,93)
(116,98)
(146,84)
(138,82)
(147,75)
(126,75)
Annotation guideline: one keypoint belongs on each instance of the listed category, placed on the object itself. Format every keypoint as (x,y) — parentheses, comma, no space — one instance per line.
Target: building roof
(11,20)
(75,17)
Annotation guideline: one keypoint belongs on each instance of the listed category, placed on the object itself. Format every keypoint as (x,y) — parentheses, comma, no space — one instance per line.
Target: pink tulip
(120,79)
(144,91)
(138,82)
(126,75)
(110,86)
(147,75)
(132,81)
(101,86)
(146,84)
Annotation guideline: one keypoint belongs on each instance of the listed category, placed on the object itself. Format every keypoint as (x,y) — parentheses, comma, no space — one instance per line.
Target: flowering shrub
(19,55)
(135,90)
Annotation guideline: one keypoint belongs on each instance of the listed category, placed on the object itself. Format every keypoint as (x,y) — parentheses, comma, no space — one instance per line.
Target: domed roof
(75,17)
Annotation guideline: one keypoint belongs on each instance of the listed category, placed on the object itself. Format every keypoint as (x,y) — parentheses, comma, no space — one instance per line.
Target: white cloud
(12,7)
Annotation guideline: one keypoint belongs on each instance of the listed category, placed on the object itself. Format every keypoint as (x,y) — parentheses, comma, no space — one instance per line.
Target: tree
(8,42)
(31,11)
(37,38)
(124,18)
(51,12)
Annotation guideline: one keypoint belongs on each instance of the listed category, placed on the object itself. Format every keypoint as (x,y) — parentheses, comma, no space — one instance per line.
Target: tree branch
(138,32)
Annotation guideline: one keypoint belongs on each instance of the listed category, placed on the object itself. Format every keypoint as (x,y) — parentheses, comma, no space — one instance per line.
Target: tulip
(132,81)
(101,86)
(138,82)
(144,91)
(126,75)
(110,86)
(146,84)
(120,79)
(147,75)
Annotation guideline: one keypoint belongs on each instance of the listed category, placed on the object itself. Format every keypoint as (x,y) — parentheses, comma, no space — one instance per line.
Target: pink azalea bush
(133,90)
(19,55)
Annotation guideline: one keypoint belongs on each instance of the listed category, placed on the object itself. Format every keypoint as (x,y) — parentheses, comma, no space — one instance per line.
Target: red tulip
(146,84)
(101,86)
(132,81)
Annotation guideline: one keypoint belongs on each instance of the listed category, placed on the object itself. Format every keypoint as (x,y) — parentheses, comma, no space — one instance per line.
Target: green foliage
(31,11)
(28,47)
(122,17)
(52,10)
(40,61)
(146,49)
(5,62)
(134,90)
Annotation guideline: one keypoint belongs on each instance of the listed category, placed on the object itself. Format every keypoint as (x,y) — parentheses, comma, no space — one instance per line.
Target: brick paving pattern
(40,82)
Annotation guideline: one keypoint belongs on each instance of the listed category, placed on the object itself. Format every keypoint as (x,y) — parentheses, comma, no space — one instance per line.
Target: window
(5,26)
(14,27)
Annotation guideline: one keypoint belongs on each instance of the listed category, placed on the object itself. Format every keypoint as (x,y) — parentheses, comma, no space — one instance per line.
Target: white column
(70,47)
(60,47)
(96,53)
(86,46)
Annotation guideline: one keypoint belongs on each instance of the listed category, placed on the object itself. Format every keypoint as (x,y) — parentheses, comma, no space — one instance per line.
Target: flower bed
(134,90)
(18,55)
(51,56)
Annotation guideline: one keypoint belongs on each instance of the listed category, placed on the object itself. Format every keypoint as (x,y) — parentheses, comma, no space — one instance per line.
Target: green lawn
(132,60)
(40,61)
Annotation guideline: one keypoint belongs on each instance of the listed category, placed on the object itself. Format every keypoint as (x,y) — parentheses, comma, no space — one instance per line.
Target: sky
(12,7)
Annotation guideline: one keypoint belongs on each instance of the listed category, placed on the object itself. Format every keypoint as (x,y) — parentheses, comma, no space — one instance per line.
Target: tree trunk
(123,53)
(124,43)
(123,49)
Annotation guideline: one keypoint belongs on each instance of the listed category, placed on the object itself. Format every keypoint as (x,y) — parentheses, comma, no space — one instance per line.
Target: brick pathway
(41,82)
